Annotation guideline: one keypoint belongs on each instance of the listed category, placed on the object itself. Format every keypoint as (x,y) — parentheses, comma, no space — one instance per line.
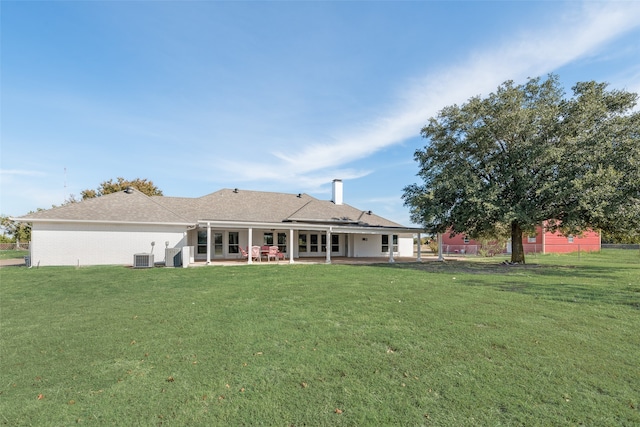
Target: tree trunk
(517,248)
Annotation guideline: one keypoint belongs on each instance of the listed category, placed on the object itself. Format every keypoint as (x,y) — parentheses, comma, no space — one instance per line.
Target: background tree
(525,155)
(107,187)
(15,231)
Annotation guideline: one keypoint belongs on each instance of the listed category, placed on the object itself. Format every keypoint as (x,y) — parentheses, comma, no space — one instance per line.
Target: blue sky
(270,95)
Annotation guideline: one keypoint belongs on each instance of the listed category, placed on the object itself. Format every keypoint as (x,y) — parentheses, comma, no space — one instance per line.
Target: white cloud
(20,172)
(573,36)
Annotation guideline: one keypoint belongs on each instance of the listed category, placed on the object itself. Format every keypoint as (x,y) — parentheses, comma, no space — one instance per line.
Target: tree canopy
(527,155)
(107,187)
(13,231)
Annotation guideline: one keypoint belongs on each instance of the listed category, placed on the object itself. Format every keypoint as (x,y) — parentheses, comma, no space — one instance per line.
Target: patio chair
(255,253)
(273,253)
(243,252)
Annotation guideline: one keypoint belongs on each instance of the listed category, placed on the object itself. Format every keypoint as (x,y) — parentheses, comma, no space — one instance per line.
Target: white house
(111,229)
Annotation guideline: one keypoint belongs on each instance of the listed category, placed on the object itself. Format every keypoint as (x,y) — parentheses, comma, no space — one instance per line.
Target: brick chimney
(337,191)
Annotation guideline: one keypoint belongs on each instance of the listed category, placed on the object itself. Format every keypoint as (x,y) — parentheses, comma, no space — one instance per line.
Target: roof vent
(235,190)
(299,195)
(369,212)
(128,190)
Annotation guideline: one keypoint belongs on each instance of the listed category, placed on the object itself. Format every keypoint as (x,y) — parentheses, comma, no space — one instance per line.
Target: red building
(540,242)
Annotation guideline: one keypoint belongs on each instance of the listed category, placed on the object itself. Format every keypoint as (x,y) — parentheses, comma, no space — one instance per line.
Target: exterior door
(215,246)
(316,244)
(218,246)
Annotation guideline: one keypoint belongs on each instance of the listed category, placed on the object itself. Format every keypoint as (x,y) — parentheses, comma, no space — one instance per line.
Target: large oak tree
(528,155)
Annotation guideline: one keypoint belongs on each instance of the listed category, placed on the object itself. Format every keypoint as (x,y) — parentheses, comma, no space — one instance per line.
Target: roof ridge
(299,209)
(239,190)
(151,199)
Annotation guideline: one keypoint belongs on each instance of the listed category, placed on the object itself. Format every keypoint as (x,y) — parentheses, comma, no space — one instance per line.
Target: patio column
(291,246)
(208,243)
(391,260)
(249,244)
(328,247)
(419,259)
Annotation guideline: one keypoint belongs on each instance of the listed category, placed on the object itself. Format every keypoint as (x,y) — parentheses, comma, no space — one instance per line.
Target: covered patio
(231,242)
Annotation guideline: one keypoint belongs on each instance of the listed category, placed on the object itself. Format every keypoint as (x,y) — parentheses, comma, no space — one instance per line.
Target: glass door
(313,246)
(218,247)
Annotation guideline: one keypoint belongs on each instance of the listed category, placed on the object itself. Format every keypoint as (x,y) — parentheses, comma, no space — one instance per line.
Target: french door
(312,244)
(216,246)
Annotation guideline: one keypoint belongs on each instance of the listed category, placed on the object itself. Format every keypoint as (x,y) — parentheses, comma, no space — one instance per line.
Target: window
(324,243)
(268,239)
(335,243)
(302,243)
(466,240)
(531,238)
(282,242)
(234,239)
(313,247)
(385,243)
(202,242)
(570,238)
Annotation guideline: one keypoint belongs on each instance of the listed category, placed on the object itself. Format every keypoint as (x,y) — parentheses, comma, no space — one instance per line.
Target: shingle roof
(326,211)
(122,206)
(240,205)
(223,205)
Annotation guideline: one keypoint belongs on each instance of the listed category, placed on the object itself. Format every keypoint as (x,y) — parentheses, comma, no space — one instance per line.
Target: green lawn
(11,254)
(464,343)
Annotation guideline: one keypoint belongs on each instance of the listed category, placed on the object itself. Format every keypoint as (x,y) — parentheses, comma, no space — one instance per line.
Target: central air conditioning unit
(142,260)
(172,257)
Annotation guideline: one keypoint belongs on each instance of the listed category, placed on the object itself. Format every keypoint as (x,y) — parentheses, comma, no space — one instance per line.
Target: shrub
(489,248)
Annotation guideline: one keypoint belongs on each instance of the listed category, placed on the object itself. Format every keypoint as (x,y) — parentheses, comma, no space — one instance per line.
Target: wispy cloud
(20,172)
(583,31)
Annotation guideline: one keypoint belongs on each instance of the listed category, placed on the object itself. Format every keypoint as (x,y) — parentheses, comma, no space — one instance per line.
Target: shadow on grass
(619,285)
(623,295)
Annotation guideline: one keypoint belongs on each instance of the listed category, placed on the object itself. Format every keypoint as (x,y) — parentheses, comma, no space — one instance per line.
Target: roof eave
(97,221)
(359,229)
(379,230)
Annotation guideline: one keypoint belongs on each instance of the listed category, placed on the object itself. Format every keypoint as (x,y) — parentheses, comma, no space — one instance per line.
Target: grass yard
(13,254)
(464,343)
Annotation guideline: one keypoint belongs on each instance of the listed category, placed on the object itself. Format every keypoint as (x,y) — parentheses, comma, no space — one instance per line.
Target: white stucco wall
(405,245)
(100,244)
(370,245)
